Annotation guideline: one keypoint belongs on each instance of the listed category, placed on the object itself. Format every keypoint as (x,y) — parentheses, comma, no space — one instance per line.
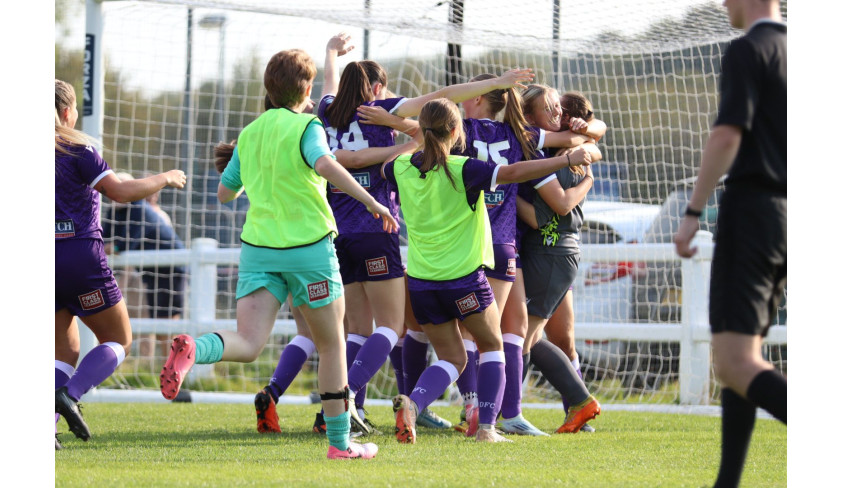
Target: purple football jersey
(77,203)
(490,140)
(351,215)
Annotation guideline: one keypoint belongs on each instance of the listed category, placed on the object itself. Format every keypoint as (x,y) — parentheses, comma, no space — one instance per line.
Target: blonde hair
(67,136)
(438,119)
(533,93)
(536,92)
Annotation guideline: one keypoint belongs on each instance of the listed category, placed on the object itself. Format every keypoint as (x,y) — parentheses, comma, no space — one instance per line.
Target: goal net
(181,75)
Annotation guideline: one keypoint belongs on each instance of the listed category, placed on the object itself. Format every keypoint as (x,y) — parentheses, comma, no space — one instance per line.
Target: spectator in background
(143,225)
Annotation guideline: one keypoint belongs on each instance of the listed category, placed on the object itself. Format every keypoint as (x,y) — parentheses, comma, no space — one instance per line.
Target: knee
(487,344)
(127,345)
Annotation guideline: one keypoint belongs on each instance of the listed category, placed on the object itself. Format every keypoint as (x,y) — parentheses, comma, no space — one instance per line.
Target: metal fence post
(695,346)
(203,294)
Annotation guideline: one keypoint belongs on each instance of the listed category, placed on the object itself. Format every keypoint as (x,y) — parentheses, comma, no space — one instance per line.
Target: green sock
(209,349)
(338,428)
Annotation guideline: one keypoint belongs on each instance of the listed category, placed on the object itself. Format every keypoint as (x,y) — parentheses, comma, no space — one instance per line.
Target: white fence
(692,333)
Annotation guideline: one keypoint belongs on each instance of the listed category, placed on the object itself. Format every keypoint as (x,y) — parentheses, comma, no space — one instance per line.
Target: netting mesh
(649,67)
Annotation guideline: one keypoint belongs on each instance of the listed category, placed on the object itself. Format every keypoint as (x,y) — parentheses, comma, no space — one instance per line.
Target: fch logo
(92,300)
(361,178)
(493,199)
(377,266)
(468,303)
(64,228)
(317,291)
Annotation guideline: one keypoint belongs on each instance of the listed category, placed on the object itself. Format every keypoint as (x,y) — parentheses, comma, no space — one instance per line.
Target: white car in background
(602,290)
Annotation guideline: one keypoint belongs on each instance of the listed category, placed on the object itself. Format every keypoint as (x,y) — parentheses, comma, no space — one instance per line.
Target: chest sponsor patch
(377,266)
(65,228)
(361,178)
(494,198)
(468,303)
(510,267)
(317,291)
(92,300)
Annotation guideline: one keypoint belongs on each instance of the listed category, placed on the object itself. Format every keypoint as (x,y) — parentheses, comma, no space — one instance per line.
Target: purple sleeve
(92,168)
(323,105)
(477,175)
(389,104)
(389,173)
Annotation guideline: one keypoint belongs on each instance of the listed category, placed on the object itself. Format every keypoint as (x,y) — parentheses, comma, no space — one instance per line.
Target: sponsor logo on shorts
(361,178)
(510,267)
(468,303)
(92,300)
(377,266)
(317,291)
(65,228)
(494,198)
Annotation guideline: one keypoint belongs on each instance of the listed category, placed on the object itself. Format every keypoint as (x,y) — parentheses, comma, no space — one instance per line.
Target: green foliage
(217,445)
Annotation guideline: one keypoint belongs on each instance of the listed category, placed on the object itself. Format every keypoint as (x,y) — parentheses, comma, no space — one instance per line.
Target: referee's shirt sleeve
(739,85)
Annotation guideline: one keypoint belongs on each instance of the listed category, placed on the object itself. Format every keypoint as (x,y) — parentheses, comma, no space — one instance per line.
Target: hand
(579,157)
(687,230)
(379,211)
(515,77)
(374,115)
(341,43)
(308,107)
(176,178)
(578,125)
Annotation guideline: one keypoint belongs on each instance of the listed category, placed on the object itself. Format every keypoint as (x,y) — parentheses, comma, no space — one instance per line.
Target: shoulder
(324,102)
(389,104)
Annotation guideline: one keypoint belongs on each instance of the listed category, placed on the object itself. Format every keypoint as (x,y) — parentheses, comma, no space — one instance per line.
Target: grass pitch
(217,445)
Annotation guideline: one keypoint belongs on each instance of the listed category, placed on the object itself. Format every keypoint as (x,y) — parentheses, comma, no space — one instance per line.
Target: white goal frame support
(692,333)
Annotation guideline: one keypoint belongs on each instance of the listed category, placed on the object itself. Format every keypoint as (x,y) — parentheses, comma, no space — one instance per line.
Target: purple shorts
(505,263)
(84,283)
(369,257)
(438,302)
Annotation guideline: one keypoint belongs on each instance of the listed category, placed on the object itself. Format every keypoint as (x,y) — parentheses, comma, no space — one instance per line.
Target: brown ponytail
(354,89)
(437,119)
(577,105)
(510,100)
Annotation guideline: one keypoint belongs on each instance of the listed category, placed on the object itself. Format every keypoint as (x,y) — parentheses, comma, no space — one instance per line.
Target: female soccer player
(575,114)
(287,245)
(85,286)
(553,248)
(370,259)
(504,143)
(450,244)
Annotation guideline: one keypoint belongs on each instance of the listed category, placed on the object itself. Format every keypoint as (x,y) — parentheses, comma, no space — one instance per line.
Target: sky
(148,40)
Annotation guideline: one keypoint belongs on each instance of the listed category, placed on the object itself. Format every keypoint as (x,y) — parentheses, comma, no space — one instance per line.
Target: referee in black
(749,270)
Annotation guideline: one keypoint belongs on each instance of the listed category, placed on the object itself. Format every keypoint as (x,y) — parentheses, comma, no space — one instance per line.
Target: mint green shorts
(314,279)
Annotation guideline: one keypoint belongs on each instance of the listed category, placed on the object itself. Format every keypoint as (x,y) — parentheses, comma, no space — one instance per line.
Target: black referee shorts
(749,269)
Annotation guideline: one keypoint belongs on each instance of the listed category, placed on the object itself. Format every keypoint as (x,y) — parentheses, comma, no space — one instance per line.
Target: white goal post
(166,79)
